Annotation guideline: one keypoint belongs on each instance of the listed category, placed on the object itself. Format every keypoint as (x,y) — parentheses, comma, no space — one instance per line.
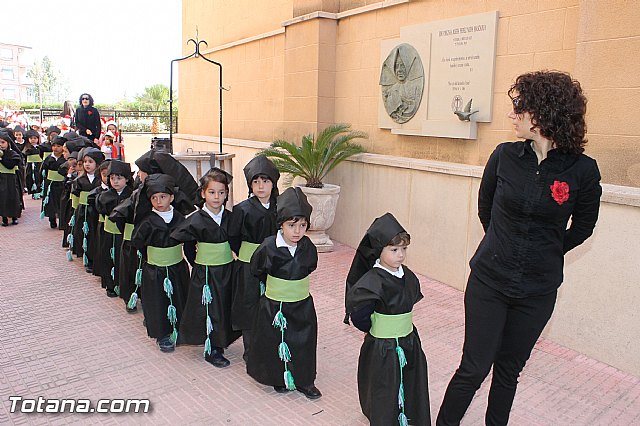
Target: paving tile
(63,338)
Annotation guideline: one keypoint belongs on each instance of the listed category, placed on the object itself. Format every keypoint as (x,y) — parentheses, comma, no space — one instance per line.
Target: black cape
(153,231)
(301,334)
(10,191)
(82,184)
(257,223)
(201,227)
(378,367)
(33,178)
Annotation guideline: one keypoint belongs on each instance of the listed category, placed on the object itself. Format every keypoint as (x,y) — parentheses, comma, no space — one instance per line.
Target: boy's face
(89,165)
(393,256)
(33,140)
(73,164)
(161,201)
(57,149)
(294,231)
(214,196)
(261,188)
(118,182)
(79,166)
(18,136)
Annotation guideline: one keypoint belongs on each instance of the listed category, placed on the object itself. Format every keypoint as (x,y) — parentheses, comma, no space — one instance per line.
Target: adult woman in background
(529,191)
(88,118)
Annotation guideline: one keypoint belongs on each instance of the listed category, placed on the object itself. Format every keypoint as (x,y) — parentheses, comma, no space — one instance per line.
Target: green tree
(155,98)
(48,83)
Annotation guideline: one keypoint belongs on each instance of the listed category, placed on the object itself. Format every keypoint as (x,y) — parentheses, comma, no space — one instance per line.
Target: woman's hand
(89,132)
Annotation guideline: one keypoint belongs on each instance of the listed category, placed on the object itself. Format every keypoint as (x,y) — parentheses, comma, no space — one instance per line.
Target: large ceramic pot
(324,201)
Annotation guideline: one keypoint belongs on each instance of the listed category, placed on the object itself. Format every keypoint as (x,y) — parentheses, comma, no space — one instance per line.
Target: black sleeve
(361,318)
(10,159)
(487,189)
(585,212)
(189,248)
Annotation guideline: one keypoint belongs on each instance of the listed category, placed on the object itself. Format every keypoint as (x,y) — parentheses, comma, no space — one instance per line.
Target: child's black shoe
(280,389)
(217,359)
(111,293)
(310,392)
(165,344)
(14,221)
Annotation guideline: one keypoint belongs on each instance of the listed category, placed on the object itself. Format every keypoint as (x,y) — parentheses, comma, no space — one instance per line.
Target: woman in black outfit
(529,191)
(87,118)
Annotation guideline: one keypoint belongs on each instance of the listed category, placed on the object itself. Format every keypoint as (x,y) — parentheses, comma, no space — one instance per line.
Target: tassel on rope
(209,325)
(117,290)
(207,347)
(84,243)
(85,260)
(262,288)
(174,336)
(112,252)
(288,380)
(69,256)
(402,361)
(85,228)
(70,240)
(138,281)
(279,320)
(402,420)
(113,272)
(401,396)
(206,294)
(133,300)
(168,286)
(171,315)
(42,215)
(283,352)
(72,222)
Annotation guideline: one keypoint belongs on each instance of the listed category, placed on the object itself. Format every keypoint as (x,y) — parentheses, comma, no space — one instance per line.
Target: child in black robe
(10,191)
(119,177)
(258,221)
(54,182)
(68,169)
(282,352)
(392,368)
(209,236)
(85,223)
(165,274)
(95,218)
(33,156)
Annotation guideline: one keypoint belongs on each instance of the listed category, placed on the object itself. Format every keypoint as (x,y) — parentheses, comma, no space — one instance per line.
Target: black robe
(106,201)
(378,366)
(82,184)
(10,191)
(52,189)
(88,118)
(301,334)
(201,227)
(129,261)
(153,231)
(96,233)
(33,179)
(66,208)
(257,223)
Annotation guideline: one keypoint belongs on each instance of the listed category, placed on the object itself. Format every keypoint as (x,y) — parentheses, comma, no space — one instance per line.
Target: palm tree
(315,158)
(155,98)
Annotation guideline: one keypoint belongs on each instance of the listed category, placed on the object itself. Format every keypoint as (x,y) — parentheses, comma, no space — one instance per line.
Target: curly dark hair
(557,107)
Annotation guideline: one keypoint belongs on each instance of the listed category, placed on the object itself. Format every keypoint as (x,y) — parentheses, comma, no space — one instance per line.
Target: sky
(110,49)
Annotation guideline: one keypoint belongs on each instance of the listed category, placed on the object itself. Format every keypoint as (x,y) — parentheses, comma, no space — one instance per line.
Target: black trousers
(499,331)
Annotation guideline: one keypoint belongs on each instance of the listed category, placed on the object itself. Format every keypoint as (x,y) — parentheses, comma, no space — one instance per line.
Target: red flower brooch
(560,191)
(89,112)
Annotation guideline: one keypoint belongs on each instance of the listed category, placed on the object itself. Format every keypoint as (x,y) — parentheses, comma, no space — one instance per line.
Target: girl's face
(261,188)
(3,144)
(79,166)
(161,201)
(33,140)
(18,136)
(118,182)
(57,149)
(51,136)
(112,128)
(65,152)
(108,140)
(214,196)
(104,175)
(73,164)
(393,256)
(89,165)
(294,231)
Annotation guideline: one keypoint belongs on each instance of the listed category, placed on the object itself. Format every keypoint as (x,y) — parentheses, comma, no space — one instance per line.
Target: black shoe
(111,293)
(53,225)
(5,223)
(144,322)
(310,392)
(88,269)
(281,389)
(14,221)
(132,310)
(217,359)
(165,344)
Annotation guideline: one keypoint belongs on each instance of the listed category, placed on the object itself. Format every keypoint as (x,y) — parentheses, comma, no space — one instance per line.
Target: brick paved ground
(63,338)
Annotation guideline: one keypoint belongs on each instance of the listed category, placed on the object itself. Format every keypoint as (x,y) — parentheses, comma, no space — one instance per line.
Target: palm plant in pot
(312,160)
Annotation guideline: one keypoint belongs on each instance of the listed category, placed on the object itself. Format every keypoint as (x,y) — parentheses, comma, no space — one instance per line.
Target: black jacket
(88,118)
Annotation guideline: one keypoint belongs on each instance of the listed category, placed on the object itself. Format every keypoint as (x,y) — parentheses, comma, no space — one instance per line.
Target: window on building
(6,54)
(8,93)
(7,74)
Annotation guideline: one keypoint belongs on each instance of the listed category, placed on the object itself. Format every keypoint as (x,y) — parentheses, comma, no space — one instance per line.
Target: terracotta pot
(324,202)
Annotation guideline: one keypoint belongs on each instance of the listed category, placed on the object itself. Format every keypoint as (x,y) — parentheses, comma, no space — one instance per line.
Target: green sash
(110,226)
(101,218)
(34,158)
(128,231)
(391,326)
(75,200)
(4,170)
(54,176)
(246,251)
(46,154)
(82,199)
(213,254)
(282,290)
(164,256)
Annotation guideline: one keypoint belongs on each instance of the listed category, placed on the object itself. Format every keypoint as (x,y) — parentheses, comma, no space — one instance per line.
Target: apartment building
(15,61)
